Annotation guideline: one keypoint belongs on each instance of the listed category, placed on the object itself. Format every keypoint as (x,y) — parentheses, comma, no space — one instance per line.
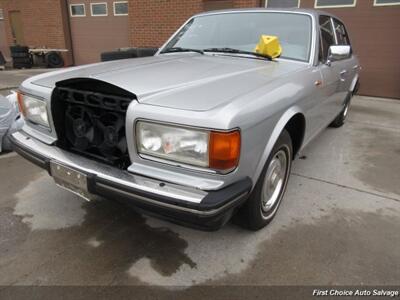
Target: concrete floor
(339,224)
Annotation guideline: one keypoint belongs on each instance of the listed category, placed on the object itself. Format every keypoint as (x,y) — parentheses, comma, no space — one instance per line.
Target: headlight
(33,109)
(203,148)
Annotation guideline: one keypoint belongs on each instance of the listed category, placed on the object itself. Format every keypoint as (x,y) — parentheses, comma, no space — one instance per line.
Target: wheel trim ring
(346,110)
(269,200)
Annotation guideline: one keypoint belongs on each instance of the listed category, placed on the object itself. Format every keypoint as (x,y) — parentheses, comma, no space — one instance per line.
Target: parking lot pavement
(11,79)
(339,224)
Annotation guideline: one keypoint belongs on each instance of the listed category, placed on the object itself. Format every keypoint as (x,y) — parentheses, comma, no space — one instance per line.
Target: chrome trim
(32,158)
(174,163)
(175,175)
(108,173)
(183,125)
(36,133)
(176,207)
(333,28)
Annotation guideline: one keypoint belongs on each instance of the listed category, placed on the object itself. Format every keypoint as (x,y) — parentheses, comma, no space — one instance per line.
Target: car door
(331,72)
(347,67)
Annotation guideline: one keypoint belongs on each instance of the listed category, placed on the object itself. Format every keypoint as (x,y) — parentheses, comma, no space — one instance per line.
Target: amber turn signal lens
(21,106)
(224,150)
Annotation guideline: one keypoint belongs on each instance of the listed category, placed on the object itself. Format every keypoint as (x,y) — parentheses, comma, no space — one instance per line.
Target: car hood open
(182,81)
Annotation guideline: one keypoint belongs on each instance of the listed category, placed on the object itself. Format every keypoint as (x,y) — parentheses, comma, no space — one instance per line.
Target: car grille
(92,123)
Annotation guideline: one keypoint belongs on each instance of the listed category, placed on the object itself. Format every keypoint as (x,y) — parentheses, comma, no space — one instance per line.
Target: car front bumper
(207,210)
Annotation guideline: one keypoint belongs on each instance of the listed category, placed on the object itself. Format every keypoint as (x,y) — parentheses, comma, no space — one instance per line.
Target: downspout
(69,32)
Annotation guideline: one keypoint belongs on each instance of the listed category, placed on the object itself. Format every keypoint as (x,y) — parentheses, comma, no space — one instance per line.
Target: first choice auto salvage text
(356,292)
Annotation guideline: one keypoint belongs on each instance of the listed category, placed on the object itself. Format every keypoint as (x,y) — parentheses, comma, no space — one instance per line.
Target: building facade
(88,27)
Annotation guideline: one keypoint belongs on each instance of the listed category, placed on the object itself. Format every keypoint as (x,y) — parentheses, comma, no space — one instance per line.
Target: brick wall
(43,23)
(3,41)
(246,3)
(153,22)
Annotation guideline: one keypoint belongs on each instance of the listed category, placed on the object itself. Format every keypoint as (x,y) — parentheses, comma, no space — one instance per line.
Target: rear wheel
(341,118)
(264,201)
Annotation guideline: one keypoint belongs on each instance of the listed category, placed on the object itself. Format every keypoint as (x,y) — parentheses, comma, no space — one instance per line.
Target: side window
(327,36)
(341,33)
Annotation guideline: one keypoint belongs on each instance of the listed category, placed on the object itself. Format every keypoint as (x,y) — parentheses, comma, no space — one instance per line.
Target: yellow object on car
(269,45)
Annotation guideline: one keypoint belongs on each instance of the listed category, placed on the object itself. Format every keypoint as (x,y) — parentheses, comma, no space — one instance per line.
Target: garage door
(97,26)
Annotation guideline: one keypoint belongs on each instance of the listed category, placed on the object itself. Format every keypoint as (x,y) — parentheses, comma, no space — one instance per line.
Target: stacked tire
(2,61)
(54,60)
(21,57)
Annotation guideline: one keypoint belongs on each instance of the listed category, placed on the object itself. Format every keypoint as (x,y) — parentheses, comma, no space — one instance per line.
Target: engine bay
(89,118)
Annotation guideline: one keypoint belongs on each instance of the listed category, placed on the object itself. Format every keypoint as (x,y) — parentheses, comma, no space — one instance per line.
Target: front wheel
(264,201)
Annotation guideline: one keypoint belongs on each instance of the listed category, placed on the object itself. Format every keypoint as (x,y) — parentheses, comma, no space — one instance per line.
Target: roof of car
(313,12)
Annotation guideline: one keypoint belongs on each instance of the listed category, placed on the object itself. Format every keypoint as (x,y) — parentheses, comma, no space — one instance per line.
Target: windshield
(242,31)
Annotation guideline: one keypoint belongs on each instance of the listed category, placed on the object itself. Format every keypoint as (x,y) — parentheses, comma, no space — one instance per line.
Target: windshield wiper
(180,49)
(236,51)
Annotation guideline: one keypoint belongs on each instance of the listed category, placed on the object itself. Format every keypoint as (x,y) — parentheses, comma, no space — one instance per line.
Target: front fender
(280,125)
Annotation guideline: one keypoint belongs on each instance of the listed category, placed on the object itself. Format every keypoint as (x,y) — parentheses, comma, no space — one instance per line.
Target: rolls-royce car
(205,129)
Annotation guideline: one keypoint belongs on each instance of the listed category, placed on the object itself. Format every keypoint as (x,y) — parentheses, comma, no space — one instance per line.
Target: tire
(22,63)
(19,49)
(22,66)
(256,213)
(20,55)
(341,118)
(54,60)
(23,60)
(2,59)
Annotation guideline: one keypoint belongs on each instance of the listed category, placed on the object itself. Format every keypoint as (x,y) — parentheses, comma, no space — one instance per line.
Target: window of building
(386,2)
(77,10)
(282,3)
(98,9)
(334,3)
(327,36)
(120,8)
(1,14)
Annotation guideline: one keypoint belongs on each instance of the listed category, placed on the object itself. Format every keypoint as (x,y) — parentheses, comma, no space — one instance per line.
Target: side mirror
(338,52)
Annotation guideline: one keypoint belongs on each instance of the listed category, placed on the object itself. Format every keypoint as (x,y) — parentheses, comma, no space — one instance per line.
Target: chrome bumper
(110,181)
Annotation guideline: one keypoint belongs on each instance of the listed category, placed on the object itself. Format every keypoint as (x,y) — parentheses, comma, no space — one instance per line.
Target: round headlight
(151,142)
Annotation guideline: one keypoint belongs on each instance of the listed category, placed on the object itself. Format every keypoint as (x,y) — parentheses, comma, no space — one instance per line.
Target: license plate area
(70,179)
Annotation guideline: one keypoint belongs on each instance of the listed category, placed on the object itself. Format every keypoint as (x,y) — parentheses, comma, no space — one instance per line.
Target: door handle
(355,67)
(343,75)
(317,82)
